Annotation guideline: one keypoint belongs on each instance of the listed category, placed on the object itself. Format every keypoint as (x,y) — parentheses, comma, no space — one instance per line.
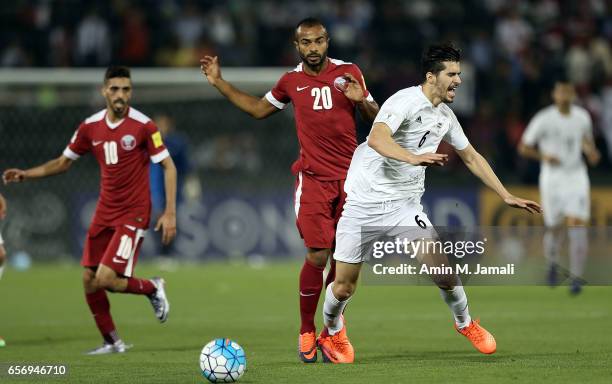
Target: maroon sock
(139,286)
(331,275)
(100,309)
(311,282)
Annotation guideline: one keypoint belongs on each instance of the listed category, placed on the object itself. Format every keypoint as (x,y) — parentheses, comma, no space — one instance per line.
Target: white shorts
(360,225)
(569,198)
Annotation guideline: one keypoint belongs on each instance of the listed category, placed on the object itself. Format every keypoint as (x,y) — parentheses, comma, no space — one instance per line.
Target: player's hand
(167,223)
(13,175)
(593,157)
(430,158)
(211,69)
(553,160)
(528,205)
(353,91)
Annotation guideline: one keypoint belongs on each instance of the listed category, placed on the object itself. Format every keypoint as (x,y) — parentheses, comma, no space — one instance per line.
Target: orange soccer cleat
(307,347)
(480,338)
(336,348)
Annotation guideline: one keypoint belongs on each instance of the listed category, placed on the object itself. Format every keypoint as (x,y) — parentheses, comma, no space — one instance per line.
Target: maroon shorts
(115,247)
(318,206)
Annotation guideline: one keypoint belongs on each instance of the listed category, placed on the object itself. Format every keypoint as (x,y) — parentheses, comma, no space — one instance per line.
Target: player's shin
(100,309)
(332,311)
(456,300)
(311,283)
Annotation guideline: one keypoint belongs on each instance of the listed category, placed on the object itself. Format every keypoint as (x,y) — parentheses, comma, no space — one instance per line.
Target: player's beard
(316,67)
(119,107)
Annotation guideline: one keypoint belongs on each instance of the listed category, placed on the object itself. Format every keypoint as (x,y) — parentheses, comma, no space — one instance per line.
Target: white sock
(332,311)
(1,270)
(578,248)
(458,304)
(552,245)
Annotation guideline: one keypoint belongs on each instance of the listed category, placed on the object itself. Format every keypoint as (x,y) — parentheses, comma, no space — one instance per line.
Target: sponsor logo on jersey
(299,89)
(418,120)
(96,142)
(157,139)
(128,142)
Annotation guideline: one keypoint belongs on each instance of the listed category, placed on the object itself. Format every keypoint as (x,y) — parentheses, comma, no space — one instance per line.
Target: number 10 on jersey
(110,152)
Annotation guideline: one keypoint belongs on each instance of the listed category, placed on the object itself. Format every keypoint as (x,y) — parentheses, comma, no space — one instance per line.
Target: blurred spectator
(136,38)
(93,47)
(189,26)
(15,55)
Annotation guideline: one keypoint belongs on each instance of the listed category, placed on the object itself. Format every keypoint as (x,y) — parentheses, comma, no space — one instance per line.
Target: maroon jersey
(324,118)
(123,150)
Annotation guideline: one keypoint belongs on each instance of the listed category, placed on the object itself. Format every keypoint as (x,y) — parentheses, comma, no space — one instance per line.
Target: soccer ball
(222,361)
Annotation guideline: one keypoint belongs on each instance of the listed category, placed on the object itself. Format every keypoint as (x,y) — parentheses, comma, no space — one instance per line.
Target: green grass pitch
(400,334)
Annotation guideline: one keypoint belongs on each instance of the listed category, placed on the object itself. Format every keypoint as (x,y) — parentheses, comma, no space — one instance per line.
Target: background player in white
(384,186)
(558,136)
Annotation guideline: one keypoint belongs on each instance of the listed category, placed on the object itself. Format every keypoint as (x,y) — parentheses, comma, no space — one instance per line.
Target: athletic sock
(139,286)
(311,282)
(578,248)
(100,309)
(331,273)
(332,311)
(457,302)
(552,245)
(1,270)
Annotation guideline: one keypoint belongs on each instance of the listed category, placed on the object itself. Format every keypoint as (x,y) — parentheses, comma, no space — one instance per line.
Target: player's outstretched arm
(381,140)
(259,108)
(50,168)
(167,221)
(479,166)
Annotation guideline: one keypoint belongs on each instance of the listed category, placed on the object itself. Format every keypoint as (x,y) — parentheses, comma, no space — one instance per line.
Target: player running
(557,136)
(2,250)
(384,187)
(123,140)
(324,93)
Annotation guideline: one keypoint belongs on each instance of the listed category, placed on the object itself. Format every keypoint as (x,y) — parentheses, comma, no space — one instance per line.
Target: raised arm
(368,109)
(259,108)
(50,168)
(381,140)
(479,166)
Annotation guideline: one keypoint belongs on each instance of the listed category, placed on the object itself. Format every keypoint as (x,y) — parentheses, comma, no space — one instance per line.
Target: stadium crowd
(516,48)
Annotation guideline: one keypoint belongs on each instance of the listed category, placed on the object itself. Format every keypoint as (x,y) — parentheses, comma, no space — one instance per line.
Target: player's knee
(105,281)
(343,289)
(445,282)
(317,256)
(89,280)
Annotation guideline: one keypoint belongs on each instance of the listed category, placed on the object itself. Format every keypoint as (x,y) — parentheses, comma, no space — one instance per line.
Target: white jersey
(418,127)
(560,136)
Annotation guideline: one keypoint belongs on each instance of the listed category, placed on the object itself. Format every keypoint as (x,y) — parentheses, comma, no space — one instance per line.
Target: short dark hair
(435,55)
(116,71)
(308,22)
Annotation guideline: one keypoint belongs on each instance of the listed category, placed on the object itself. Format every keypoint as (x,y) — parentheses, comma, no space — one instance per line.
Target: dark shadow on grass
(456,355)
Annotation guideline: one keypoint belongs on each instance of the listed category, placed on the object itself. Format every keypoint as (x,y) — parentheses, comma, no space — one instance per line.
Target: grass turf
(401,334)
